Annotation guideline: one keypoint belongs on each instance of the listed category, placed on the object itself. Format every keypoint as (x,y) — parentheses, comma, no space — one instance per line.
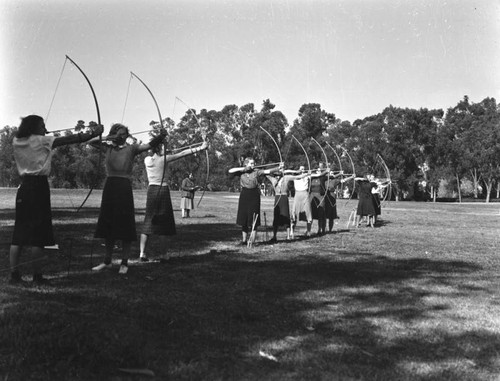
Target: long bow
(152,96)
(281,158)
(388,178)
(164,145)
(327,166)
(336,155)
(307,158)
(353,171)
(206,151)
(98,122)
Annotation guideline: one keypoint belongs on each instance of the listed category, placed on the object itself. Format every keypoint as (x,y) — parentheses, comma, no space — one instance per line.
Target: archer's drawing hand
(97,130)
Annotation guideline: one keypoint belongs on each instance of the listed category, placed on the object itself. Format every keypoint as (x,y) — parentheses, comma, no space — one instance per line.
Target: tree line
(425,150)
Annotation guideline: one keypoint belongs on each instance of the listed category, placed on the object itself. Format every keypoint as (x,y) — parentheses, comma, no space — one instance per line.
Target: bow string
(132,74)
(100,135)
(353,171)
(279,153)
(204,137)
(388,178)
(327,166)
(307,158)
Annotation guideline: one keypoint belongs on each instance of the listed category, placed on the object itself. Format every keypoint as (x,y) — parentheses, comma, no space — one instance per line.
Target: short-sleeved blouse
(33,154)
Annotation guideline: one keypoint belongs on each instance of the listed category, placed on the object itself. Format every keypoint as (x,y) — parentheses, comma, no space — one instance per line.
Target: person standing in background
(187,188)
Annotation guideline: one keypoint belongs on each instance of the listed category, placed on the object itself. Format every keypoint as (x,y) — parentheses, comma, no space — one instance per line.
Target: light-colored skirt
(187,203)
(301,207)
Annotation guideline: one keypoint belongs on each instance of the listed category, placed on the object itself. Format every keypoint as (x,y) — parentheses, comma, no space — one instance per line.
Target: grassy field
(417,298)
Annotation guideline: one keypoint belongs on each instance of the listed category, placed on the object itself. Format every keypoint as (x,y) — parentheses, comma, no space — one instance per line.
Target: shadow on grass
(231,313)
(213,316)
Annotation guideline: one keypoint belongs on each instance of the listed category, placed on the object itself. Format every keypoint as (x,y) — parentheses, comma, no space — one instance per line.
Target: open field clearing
(416,298)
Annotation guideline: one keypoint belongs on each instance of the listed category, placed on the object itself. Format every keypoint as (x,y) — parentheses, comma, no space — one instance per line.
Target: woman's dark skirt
(281,211)
(33,225)
(331,207)
(248,207)
(117,214)
(365,207)
(317,206)
(376,203)
(159,218)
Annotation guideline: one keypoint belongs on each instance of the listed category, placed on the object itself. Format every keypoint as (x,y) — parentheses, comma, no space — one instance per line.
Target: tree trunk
(498,189)
(459,190)
(475,183)
(489,186)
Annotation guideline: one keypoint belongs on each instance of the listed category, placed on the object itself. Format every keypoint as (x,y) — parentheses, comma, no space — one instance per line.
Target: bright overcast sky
(353,57)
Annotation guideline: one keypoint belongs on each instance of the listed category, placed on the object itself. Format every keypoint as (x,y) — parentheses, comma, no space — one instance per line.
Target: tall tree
(481,148)
(9,176)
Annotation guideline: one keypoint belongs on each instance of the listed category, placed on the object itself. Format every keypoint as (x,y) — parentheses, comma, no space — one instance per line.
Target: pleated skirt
(159,218)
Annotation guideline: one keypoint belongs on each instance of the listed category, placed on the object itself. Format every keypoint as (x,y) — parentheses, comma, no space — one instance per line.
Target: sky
(352,57)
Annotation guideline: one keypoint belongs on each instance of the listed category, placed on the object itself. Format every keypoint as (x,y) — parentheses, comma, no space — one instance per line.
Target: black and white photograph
(249,190)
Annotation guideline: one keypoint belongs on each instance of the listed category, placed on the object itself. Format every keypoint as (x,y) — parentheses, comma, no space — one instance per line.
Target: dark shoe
(39,279)
(273,240)
(243,243)
(144,259)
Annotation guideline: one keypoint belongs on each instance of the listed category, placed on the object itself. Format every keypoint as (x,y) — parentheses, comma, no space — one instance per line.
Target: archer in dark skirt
(331,203)
(117,214)
(159,219)
(248,216)
(33,224)
(366,208)
(318,196)
(376,190)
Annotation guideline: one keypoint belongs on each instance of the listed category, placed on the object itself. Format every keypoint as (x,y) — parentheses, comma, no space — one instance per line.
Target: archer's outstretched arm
(187,152)
(77,138)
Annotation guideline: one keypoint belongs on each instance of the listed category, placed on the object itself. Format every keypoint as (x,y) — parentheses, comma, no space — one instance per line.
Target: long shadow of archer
(308,312)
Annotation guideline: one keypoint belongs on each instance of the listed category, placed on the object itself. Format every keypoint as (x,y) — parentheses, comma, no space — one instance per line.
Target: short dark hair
(28,126)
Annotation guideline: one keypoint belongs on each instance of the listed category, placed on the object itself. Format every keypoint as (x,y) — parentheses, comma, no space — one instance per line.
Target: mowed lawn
(416,298)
